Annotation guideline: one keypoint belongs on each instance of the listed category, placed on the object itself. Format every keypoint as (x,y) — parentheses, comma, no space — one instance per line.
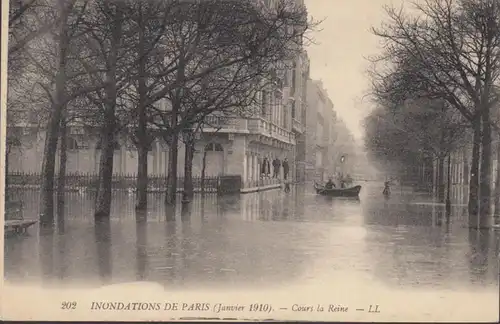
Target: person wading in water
(387,189)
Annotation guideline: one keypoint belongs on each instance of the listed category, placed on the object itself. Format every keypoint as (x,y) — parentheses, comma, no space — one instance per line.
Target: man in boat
(330,184)
(342,183)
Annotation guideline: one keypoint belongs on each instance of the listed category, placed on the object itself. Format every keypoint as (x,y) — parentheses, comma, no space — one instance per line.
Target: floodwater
(266,240)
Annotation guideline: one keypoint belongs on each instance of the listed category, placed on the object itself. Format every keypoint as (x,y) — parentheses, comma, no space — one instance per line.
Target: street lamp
(342,160)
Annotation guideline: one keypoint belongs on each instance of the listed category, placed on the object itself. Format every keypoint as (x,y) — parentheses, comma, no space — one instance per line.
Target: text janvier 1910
(214,307)
(175,306)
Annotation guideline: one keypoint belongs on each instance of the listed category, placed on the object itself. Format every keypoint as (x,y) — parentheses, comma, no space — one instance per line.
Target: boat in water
(337,192)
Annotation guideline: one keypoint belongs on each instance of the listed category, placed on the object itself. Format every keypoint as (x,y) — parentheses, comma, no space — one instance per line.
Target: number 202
(68,305)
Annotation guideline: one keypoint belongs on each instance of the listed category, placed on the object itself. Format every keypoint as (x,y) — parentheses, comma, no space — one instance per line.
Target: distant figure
(342,183)
(330,184)
(276,167)
(286,168)
(266,167)
(387,189)
(348,180)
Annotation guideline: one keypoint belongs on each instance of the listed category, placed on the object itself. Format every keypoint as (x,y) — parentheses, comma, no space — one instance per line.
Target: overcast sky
(338,57)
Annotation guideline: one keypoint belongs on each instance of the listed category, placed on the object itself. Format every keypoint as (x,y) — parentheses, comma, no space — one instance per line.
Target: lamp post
(342,161)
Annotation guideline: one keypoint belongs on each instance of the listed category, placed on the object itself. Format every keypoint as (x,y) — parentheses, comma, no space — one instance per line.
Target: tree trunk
(485,172)
(497,183)
(170,198)
(441,185)
(188,170)
(142,135)
(52,130)
(429,174)
(103,198)
(474,175)
(142,178)
(448,185)
(63,157)
(435,178)
(466,167)
(203,170)
(6,170)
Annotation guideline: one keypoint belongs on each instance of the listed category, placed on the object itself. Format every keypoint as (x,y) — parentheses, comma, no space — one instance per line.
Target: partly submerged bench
(14,219)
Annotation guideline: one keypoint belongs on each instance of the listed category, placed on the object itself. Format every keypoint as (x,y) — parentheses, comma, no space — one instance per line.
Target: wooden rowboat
(337,192)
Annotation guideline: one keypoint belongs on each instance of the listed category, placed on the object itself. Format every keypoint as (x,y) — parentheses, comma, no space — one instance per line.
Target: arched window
(214,147)
(72,144)
(99,145)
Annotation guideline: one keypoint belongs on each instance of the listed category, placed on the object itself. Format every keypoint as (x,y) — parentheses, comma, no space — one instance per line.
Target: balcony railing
(256,125)
(225,124)
(265,127)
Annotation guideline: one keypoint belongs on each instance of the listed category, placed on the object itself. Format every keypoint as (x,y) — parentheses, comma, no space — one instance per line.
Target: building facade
(234,146)
(317,131)
(327,138)
(231,145)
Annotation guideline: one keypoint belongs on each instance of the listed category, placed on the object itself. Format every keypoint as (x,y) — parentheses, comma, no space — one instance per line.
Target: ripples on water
(262,239)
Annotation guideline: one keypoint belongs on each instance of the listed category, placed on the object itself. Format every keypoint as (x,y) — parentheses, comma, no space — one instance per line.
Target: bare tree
(121,58)
(107,64)
(449,50)
(28,20)
(151,19)
(225,51)
(414,132)
(26,111)
(68,14)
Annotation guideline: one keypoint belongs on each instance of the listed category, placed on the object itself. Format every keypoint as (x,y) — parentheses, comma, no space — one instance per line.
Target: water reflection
(257,239)
(46,252)
(103,245)
(141,243)
(60,218)
(479,254)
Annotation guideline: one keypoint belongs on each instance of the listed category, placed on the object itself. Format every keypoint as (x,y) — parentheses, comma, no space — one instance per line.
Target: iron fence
(125,182)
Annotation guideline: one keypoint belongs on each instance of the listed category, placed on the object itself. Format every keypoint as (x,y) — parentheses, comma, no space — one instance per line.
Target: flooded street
(267,240)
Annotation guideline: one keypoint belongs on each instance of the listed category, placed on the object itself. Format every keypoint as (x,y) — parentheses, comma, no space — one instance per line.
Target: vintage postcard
(250,160)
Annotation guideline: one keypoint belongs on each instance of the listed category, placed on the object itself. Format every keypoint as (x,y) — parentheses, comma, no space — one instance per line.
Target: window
(293,109)
(319,159)
(72,144)
(213,147)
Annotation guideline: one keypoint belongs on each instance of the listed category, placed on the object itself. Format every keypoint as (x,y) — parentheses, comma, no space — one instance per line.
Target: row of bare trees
(143,69)
(414,140)
(447,52)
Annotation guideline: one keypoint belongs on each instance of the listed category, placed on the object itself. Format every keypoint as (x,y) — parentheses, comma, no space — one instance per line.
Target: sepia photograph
(283,160)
